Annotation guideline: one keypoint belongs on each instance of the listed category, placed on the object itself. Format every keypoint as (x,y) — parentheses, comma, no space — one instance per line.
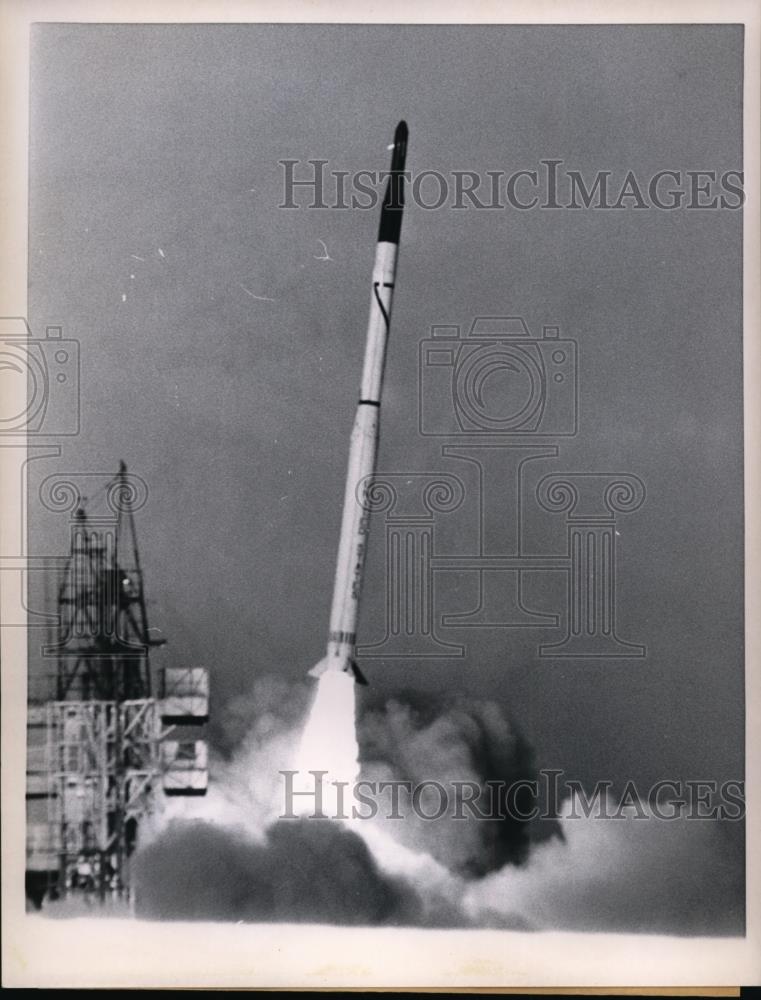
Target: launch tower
(104,747)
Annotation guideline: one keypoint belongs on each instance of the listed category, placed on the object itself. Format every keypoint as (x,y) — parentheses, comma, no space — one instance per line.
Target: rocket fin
(346,666)
(319,668)
(359,677)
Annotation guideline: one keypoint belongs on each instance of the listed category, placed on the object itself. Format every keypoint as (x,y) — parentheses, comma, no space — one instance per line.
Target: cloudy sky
(221,357)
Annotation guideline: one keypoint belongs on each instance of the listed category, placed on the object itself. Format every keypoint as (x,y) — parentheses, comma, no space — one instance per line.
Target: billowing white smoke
(246,791)
(230,857)
(635,873)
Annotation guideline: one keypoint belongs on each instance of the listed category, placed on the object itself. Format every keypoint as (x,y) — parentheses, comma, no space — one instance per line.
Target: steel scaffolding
(98,754)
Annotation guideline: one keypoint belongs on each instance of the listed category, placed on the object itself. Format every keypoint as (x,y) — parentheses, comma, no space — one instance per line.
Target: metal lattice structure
(101,755)
(105,639)
(104,766)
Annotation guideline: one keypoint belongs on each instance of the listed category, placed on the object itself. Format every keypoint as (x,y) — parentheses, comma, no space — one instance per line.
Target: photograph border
(39,952)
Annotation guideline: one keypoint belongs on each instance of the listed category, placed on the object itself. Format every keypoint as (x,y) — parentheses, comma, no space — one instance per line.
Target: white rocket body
(363,451)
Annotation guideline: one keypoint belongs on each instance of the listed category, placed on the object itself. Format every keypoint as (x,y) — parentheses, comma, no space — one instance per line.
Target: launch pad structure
(102,753)
(116,734)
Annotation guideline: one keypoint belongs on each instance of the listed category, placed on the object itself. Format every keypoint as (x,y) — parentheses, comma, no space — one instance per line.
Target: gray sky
(237,411)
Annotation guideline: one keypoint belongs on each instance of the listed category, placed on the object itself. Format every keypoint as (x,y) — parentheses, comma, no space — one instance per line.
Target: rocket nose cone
(400,146)
(393,201)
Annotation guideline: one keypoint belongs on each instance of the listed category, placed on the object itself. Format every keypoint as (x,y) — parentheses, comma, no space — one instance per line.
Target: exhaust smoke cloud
(231,856)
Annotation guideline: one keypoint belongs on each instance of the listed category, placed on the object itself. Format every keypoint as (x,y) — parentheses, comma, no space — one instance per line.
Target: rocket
(363,450)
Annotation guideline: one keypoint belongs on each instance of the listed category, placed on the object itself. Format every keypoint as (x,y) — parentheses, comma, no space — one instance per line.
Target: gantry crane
(103,750)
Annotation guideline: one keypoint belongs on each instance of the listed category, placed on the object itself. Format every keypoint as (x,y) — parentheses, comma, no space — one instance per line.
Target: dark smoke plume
(418,738)
(305,871)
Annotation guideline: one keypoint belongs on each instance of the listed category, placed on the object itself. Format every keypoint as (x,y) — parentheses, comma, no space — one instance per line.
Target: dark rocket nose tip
(400,146)
(393,202)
